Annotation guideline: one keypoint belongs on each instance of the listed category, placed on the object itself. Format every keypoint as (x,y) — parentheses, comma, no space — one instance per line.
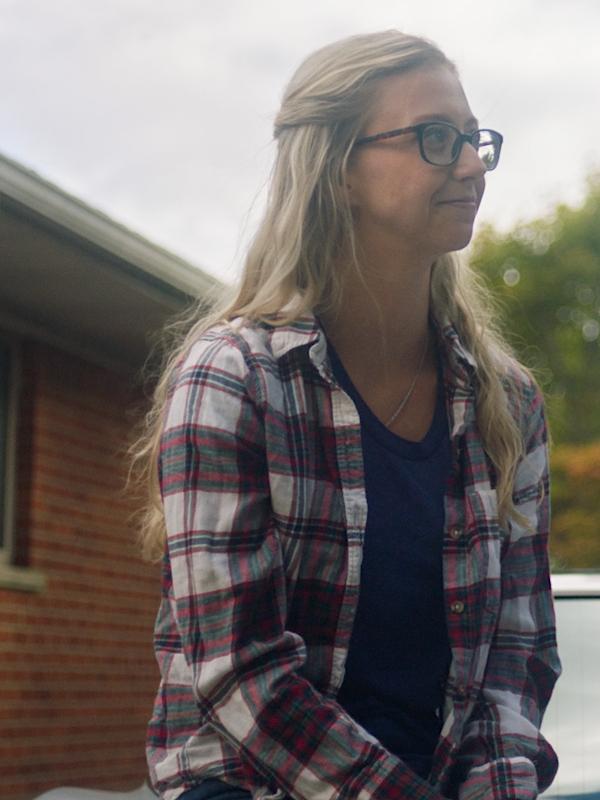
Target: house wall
(77,671)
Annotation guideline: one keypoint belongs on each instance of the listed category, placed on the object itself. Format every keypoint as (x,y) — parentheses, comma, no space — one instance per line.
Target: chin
(458,241)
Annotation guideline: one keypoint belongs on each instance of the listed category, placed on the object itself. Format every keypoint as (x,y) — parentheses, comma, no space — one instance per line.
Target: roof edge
(29,189)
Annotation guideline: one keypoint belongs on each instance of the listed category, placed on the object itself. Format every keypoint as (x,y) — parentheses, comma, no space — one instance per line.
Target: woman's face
(401,200)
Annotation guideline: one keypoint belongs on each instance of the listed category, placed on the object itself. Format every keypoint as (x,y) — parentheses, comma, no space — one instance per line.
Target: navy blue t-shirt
(399,652)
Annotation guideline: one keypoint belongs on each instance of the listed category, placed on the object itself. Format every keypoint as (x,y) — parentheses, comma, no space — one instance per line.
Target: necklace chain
(411,388)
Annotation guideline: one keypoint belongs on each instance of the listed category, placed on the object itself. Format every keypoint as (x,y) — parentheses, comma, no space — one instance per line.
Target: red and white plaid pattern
(263,486)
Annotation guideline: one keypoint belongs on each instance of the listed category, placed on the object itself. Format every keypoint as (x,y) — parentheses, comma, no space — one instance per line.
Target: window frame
(9,456)
(13,577)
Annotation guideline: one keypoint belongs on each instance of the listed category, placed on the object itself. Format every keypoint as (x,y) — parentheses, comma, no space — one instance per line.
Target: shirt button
(455,533)
(457,607)
(461,692)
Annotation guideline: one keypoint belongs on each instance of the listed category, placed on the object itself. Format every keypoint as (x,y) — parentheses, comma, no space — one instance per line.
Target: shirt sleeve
(506,754)
(229,589)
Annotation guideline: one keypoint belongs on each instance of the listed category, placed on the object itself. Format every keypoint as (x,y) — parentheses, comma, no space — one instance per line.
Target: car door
(572,721)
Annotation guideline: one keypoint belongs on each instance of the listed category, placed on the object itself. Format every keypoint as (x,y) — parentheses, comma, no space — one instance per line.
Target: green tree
(547,276)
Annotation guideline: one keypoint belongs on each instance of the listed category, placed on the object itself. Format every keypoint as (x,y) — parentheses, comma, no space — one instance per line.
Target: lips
(460,201)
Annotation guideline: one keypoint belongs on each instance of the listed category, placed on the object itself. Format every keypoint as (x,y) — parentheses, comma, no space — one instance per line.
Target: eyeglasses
(441,144)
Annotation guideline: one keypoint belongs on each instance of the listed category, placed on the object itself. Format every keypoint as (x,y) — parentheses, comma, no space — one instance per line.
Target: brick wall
(77,671)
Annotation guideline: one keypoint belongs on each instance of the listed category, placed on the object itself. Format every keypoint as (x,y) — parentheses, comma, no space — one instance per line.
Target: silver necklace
(411,388)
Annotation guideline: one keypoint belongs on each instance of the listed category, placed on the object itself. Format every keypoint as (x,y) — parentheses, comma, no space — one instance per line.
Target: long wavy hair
(292,266)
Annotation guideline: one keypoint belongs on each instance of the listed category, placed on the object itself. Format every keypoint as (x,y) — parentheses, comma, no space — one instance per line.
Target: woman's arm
(505,753)
(230,595)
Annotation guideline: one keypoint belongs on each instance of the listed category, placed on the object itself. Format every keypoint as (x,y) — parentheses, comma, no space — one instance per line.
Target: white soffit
(30,190)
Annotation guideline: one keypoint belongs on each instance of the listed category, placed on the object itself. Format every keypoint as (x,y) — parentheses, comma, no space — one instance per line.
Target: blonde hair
(290,263)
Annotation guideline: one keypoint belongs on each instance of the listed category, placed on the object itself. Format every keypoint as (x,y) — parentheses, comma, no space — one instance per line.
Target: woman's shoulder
(518,380)
(254,341)
(227,339)
(233,351)
(244,352)
(524,395)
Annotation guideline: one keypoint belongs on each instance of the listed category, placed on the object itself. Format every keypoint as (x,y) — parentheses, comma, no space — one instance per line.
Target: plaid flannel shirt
(263,486)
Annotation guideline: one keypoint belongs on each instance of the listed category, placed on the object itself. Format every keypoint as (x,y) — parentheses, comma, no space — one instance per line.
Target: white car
(144,792)
(572,721)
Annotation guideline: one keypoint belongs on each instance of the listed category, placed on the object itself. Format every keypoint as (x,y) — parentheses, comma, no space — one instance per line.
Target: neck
(383,317)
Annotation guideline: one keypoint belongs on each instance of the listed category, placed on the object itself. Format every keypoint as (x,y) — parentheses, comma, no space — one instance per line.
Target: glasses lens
(488,147)
(440,142)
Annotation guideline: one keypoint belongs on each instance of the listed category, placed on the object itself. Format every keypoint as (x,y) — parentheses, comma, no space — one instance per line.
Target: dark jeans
(213,789)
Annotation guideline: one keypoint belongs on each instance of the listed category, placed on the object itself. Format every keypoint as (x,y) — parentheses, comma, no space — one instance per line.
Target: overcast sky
(160,113)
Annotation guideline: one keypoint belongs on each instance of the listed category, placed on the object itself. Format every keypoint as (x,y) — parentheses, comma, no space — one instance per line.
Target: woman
(350,421)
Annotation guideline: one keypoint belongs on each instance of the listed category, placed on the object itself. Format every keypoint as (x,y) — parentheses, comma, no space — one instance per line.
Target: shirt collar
(301,332)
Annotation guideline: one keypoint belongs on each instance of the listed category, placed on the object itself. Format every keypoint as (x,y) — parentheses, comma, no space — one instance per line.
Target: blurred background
(135,146)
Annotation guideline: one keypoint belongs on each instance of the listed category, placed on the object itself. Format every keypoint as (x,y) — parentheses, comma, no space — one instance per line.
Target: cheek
(375,171)
(380,187)
(387,192)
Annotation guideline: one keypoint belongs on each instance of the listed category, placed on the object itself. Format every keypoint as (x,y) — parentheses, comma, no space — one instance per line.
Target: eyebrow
(472,121)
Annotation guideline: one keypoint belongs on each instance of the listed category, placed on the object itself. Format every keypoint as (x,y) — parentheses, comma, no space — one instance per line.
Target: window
(20,578)
(8,398)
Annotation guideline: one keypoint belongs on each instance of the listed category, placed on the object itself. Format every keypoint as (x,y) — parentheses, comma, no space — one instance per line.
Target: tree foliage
(575,540)
(547,276)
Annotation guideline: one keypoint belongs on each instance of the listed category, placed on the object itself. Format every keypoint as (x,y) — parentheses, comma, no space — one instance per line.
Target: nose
(469,164)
